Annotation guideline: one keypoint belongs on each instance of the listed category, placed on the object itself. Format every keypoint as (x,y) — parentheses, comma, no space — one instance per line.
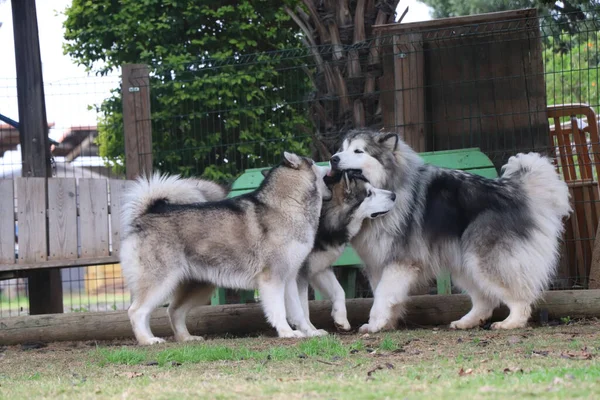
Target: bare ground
(552,362)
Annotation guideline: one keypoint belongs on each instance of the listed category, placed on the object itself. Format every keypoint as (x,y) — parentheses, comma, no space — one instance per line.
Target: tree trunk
(345,88)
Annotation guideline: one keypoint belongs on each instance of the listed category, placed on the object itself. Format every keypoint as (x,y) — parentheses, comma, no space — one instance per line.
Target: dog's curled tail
(145,192)
(541,182)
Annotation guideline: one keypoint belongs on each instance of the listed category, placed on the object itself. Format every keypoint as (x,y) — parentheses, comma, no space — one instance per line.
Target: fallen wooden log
(249,318)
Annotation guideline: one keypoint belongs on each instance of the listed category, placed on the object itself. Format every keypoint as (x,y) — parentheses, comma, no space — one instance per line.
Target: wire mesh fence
(486,84)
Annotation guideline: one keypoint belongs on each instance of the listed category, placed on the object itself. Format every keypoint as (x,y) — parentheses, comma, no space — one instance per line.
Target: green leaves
(215,111)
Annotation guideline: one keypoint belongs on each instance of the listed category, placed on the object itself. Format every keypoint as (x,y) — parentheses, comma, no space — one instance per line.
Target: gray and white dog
(498,237)
(353,200)
(178,250)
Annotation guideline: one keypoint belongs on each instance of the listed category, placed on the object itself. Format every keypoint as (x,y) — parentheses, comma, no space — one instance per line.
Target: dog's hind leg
(520,311)
(326,282)
(482,305)
(187,296)
(147,298)
(303,292)
(389,297)
(481,311)
(295,313)
(272,298)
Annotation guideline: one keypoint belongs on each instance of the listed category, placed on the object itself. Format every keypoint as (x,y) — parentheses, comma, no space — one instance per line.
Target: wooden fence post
(137,125)
(45,285)
(594,278)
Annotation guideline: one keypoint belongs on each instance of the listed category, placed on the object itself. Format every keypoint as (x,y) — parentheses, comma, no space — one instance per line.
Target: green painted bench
(471,160)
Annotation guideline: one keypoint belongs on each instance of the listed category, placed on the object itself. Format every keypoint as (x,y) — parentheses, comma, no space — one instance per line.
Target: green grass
(551,362)
(326,347)
(387,344)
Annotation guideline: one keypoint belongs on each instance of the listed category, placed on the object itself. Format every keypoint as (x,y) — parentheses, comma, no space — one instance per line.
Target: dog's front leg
(326,282)
(390,296)
(295,313)
(272,297)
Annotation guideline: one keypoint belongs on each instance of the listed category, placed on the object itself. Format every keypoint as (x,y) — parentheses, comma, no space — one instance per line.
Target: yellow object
(104,278)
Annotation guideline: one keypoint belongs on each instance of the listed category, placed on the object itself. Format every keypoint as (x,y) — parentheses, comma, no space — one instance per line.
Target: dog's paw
(317,332)
(460,324)
(366,328)
(507,325)
(151,341)
(190,338)
(343,326)
(292,334)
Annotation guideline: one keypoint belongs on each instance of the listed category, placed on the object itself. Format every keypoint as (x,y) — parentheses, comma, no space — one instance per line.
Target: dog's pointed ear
(291,160)
(390,140)
(265,172)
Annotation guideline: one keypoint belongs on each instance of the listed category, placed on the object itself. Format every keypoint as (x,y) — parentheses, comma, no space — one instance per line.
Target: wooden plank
(7,222)
(79,262)
(93,217)
(246,296)
(137,124)
(422,310)
(62,218)
(594,278)
(483,68)
(455,21)
(410,89)
(566,165)
(444,283)
(581,234)
(117,201)
(31,202)
(219,297)
(348,258)
(479,88)
(348,282)
(387,101)
(463,160)
(248,180)
(536,88)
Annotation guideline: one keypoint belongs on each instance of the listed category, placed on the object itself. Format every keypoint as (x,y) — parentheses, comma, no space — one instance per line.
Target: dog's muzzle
(335,161)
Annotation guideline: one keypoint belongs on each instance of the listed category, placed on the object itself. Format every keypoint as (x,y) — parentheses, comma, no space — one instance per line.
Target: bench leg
(246,296)
(444,283)
(218,298)
(348,281)
(45,291)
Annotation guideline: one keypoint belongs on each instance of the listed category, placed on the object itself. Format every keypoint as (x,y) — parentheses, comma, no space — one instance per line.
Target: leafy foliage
(214,111)
(573,77)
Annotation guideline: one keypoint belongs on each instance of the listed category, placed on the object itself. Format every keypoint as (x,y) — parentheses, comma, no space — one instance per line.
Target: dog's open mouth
(378,214)
(354,171)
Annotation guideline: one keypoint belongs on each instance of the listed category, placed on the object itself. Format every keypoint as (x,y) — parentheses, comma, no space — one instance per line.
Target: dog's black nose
(335,160)
(393,196)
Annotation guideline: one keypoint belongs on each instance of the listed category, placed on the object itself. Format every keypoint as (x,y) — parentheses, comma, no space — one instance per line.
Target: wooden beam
(137,126)
(77,151)
(35,147)
(77,262)
(45,286)
(500,16)
(422,310)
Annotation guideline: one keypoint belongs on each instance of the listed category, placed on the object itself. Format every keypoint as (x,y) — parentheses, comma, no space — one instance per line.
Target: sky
(68,87)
